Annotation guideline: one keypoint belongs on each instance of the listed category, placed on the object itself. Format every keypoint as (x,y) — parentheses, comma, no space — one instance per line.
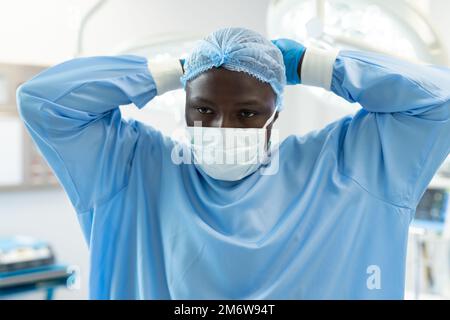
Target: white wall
(45,31)
(438,11)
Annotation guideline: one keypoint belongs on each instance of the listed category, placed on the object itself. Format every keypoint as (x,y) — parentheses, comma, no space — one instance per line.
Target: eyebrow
(203,100)
(250,103)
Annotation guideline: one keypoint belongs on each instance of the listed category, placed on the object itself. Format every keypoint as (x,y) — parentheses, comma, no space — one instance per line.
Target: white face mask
(229,154)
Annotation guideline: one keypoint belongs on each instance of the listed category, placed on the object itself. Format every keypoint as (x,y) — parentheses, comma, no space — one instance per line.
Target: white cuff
(317,67)
(166,74)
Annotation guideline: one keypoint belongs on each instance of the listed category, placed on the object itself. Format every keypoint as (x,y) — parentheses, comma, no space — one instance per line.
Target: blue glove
(292,54)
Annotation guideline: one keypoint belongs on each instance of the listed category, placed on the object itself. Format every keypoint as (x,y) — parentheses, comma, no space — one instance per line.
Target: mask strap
(270,119)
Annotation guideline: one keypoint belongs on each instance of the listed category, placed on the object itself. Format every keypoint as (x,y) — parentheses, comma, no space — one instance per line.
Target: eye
(247,114)
(204,110)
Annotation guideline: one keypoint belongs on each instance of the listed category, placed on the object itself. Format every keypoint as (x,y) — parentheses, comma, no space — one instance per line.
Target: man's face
(229,99)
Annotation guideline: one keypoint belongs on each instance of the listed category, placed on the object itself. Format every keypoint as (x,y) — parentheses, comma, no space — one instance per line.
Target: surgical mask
(229,154)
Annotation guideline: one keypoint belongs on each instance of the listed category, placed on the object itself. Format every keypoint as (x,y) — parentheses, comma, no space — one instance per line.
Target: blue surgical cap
(241,50)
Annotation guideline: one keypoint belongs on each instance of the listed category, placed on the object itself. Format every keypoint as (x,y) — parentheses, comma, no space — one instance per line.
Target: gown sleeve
(72,112)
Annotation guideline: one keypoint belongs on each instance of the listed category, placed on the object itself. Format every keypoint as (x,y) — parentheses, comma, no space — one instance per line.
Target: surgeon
(319,216)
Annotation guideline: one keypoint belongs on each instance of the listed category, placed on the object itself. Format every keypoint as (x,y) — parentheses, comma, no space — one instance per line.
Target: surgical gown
(332,223)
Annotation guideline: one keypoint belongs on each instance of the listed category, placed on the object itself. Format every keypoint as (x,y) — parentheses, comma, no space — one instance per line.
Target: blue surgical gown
(332,223)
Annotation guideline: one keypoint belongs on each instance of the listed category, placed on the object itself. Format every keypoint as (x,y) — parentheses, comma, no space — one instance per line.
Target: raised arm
(72,113)
(395,144)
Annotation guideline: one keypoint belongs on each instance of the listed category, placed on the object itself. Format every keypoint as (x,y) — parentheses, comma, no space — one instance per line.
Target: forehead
(220,84)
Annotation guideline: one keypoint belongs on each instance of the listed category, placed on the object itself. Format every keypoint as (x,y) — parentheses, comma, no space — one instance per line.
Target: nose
(225,120)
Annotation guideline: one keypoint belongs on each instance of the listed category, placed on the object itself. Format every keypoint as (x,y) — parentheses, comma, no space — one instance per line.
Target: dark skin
(229,99)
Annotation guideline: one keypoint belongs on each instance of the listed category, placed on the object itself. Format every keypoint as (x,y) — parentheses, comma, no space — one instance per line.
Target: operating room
(355,105)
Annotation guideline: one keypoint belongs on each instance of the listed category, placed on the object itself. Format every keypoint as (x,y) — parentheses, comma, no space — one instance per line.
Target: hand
(293,53)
